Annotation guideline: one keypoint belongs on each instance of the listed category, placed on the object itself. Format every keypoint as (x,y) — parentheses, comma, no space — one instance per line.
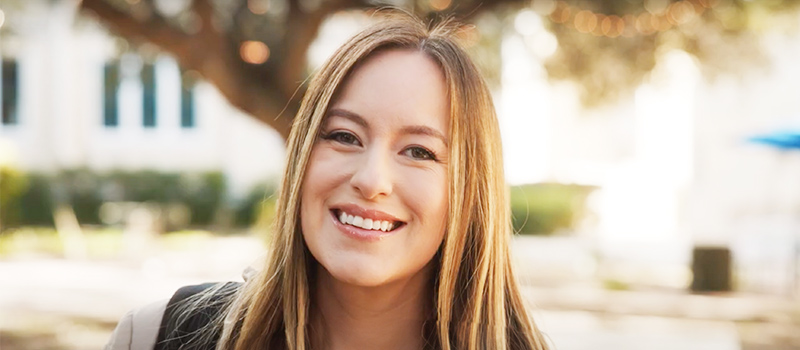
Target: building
(672,163)
(74,96)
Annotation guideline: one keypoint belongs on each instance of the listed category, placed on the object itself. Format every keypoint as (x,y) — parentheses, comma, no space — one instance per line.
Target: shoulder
(138,329)
(142,328)
(192,317)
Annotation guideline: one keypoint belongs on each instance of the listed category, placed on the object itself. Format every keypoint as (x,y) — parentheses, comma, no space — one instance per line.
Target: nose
(372,177)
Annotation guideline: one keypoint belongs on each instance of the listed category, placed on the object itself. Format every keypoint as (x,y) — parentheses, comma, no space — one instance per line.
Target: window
(10,84)
(111,81)
(187,101)
(148,76)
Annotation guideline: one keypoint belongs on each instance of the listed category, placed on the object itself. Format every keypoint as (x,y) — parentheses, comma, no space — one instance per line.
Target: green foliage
(12,185)
(79,188)
(36,203)
(546,208)
(250,210)
(100,243)
(31,241)
(24,199)
(184,240)
(141,186)
(86,191)
(723,35)
(612,284)
(204,194)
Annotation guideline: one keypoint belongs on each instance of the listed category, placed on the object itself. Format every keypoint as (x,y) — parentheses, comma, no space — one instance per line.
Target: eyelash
(427,155)
(338,135)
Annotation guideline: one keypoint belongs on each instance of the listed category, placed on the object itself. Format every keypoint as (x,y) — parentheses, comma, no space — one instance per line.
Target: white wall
(61,111)
(672,162)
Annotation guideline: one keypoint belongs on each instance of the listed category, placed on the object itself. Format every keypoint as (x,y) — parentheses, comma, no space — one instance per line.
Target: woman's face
(374,198)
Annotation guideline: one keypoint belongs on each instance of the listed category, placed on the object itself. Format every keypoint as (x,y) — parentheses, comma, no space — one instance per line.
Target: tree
(254,51)
(213,38)
(609,46)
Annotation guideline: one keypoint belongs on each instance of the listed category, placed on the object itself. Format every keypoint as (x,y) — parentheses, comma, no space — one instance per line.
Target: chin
(359,275)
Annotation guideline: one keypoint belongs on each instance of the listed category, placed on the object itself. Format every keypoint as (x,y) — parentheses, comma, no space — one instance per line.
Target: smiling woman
(378,161)
(392,224)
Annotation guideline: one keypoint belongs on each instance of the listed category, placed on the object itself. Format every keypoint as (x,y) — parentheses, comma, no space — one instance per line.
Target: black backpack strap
(173,335)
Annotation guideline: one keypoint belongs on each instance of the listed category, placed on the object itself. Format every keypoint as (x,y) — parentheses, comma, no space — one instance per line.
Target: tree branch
(154,29)
(210,53)
(264,90)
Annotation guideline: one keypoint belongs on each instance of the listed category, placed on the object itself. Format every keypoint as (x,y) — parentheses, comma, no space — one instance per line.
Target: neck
(384,317)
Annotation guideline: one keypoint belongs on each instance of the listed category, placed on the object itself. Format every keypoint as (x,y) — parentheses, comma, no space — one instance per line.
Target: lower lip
(360,233)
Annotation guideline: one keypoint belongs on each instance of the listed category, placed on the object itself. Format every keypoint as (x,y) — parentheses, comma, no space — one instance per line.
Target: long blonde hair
(476,299)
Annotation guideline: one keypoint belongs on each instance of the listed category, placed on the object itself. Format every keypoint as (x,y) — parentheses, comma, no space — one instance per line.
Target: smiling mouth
(365,224)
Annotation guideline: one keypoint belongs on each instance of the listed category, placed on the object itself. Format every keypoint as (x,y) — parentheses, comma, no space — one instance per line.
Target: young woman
(393,221)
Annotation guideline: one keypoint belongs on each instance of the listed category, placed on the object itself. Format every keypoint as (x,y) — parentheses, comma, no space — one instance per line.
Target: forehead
(398,86)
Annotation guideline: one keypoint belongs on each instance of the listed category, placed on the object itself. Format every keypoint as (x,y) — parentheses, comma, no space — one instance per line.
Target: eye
(342,137)
(419,153)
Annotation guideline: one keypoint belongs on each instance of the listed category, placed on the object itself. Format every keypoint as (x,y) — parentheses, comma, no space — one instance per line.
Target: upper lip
(365,213)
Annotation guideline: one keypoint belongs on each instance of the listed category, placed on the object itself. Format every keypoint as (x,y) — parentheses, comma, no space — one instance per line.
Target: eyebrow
(410,129)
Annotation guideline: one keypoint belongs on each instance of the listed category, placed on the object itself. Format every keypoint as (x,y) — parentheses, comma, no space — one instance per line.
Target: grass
(30,240)
(99,242)
(184,240)
(612,284)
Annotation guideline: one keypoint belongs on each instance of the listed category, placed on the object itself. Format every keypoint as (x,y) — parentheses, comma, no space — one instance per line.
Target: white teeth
(367,224)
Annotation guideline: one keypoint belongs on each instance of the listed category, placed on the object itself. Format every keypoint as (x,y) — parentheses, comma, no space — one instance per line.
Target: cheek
(323,174)
(321,179)
(427,196)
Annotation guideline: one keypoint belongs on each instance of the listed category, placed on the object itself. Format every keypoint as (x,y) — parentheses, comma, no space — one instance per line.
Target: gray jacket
(138,329)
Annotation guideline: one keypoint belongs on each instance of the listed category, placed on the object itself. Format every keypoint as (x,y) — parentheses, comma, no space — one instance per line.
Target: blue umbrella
(784,140)
(780,139)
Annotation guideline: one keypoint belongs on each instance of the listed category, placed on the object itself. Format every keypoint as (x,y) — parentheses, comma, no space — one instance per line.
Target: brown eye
(419,153)
(343,137)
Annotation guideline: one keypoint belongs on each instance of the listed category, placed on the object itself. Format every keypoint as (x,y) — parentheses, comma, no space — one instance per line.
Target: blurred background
(650,145)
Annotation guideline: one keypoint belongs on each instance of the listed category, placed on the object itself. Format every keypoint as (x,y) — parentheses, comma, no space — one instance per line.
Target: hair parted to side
(477,302)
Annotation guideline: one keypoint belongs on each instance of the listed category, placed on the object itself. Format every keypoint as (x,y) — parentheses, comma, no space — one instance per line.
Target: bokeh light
(655,6)
(469,36)
(544,44)
(544,7)
(683,11)
(612,26)
(562,13)
(659,16)
(527,22)
(440,5)
(258,7)
(254,52)
(644,23)
(585,21)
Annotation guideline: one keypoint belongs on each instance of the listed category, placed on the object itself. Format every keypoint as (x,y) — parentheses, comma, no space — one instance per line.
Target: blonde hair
(476,299)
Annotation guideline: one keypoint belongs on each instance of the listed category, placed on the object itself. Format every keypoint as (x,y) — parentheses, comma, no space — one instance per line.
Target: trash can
(711,269)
